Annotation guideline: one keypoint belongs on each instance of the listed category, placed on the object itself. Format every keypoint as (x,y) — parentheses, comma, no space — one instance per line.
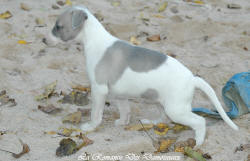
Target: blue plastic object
(236,95)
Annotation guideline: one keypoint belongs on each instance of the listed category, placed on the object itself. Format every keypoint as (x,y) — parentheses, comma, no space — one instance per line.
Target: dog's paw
(199,141)
(89,126)
(120,122)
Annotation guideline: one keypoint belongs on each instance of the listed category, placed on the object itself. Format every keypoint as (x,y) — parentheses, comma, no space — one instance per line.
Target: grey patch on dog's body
(150,94)
(122,55)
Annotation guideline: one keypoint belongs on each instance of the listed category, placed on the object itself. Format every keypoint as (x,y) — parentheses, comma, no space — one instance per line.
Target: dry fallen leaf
(40,22)
(207,156)
(244,33)
(50,132)
(178,128)
(186,147)
(76,97)
(164,144)
(67,131)
(49,109)
(68,2)
(174,9)
(191,142)
(55,7)
(6,15)
(242,147)
(159,16)
(139,127)
(233,6)
(67,147)
(85,141)
(63,131)
(3,92)
(134,41)
(3,133)
(23,42)
(73,117)
(48,91)
(81,88)
(25,7)
(99,16)
(144,19)
(25,150)
(198,2)
(163,6)
(181,144)
(61,3)
(5,99)
(115,3)
(154,38)
(161,129)
(179,149)
(188,0)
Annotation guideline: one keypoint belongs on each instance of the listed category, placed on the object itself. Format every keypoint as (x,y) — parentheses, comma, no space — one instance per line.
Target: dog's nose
(44,40)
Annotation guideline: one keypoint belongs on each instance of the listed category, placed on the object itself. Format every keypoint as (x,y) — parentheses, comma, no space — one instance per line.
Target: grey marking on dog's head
(150,94)
(69,24)
(122,55)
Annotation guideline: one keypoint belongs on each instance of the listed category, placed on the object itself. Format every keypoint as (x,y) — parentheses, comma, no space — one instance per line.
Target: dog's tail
(206,88)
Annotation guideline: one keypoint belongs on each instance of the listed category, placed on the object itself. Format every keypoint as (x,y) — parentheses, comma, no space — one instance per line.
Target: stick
(146,131)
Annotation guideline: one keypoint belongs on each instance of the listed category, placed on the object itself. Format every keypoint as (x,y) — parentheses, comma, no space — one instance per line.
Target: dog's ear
(78,18)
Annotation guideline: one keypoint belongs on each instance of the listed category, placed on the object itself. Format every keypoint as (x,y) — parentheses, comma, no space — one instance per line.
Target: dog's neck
(94,36)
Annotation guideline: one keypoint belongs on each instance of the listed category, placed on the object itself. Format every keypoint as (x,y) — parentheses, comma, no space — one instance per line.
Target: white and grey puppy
(124,70)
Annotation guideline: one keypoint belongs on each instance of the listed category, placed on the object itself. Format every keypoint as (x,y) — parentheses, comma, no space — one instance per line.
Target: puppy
(118,68)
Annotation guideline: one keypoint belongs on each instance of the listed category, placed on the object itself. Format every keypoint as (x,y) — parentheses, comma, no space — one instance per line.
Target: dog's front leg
(98,96)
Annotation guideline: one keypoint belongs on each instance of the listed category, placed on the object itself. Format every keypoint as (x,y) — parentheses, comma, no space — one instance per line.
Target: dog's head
(68,26)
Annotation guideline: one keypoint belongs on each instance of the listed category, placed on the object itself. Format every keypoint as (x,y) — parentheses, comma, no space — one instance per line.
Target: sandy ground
(211,40)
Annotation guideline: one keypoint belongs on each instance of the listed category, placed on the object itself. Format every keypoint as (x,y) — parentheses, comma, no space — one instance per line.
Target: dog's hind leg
(182,114)
(124,109)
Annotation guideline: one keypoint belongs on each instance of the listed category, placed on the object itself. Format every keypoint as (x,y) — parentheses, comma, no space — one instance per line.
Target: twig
(146,131)
(6,151)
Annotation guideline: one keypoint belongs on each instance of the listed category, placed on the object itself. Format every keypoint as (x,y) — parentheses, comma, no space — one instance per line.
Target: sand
(210,39)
